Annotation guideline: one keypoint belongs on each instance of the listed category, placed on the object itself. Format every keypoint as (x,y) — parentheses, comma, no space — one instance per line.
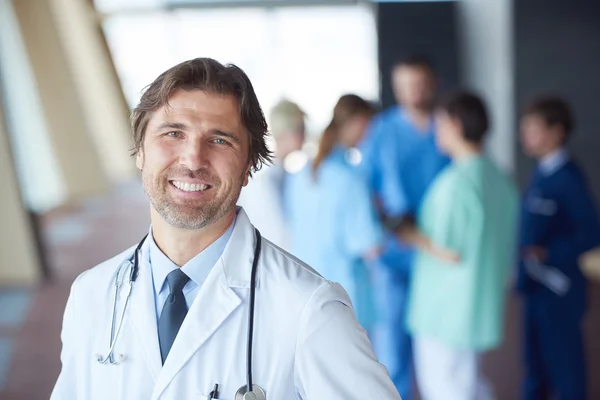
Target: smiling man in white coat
(169,318)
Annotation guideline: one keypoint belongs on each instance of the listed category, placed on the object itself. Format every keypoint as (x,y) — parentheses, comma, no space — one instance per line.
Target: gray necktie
(173,312)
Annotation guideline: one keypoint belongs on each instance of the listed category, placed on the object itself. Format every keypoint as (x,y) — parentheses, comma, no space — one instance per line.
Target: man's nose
(194,155)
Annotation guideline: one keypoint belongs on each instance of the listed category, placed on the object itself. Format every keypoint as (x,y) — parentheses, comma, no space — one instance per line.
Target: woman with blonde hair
(263,197)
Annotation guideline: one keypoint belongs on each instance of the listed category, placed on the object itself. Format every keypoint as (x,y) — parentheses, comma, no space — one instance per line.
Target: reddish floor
(77,239)
(83,236)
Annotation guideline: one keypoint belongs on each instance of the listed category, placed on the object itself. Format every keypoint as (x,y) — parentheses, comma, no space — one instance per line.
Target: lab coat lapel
(142,313)
(214,303)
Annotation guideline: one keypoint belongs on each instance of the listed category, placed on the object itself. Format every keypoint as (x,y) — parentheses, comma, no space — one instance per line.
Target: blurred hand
(409,235)
(414,237)
(372,254)
(539,253)
(445,255)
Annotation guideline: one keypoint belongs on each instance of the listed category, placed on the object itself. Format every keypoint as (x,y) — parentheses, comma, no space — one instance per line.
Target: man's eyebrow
(228,135)
(172,125)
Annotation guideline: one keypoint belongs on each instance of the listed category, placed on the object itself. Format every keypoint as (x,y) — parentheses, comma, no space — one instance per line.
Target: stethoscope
(249,391)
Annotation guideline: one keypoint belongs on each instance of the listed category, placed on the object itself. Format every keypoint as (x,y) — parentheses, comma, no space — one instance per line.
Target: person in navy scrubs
(559,222)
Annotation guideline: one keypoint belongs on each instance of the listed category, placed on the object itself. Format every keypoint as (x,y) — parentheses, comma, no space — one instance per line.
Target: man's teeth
(187,187)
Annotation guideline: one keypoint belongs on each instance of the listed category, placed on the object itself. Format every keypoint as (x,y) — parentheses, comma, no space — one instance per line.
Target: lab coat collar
(405,116)
(239,253)
(215,301)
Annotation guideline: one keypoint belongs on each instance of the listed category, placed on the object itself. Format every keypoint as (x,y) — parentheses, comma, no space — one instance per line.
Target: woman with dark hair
(333,223)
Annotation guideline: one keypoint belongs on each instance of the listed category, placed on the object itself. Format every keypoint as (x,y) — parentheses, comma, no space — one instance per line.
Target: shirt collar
(404,116)
(197,268)
(552,162)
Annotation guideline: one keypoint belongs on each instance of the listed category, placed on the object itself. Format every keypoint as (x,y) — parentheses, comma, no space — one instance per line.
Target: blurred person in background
(332,218)
(400,160)
(333,222)
(558,223)
(455,310)
(262,198)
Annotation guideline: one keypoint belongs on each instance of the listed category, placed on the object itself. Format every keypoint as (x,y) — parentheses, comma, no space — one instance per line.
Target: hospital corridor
(432,165)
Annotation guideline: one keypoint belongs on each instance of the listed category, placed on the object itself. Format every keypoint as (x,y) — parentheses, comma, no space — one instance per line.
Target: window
(310,55)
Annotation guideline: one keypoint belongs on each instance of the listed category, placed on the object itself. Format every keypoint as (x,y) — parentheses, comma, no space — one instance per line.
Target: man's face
(537,138)
(292,139)
(447,132)
(413,86)
(194,158)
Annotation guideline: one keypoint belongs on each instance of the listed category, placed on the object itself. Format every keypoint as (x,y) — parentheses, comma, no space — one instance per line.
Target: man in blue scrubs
(400,160)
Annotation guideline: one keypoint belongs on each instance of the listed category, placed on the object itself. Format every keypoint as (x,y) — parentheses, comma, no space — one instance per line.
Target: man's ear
(458,127)
(139,159)
(247,175)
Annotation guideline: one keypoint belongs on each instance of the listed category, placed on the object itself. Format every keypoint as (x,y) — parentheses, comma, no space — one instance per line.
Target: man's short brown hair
(208,75)
(553,111)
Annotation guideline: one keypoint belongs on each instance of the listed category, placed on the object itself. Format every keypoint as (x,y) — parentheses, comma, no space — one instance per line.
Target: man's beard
(191,214)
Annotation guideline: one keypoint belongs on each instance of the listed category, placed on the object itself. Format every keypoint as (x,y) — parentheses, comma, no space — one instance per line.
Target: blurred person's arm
(408,232)
(450,213)
(577,204)
(362,232)
(379,167)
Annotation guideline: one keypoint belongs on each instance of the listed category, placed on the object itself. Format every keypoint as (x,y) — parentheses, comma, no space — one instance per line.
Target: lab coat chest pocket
(208,397)
(222,395)
(225,391)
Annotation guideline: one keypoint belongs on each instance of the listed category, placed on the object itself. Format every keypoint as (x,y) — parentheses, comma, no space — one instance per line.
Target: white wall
(98,88)
(19,264)
(312,67)
(485,28)
(41,183)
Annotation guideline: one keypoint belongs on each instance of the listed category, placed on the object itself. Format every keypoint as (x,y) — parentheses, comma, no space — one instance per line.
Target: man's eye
(220,141)
(174,134)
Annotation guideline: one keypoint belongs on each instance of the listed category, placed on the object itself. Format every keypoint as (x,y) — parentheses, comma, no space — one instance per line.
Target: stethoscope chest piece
(256,394)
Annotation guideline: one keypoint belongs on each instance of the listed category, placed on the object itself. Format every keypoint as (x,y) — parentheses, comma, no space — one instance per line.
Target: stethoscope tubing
(134,262)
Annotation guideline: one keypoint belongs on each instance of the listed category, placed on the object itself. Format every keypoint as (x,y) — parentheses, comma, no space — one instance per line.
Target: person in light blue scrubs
(333,221)
(400,160)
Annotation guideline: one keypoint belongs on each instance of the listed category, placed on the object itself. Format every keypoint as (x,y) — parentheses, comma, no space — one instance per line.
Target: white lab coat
(262,201)
(307,343)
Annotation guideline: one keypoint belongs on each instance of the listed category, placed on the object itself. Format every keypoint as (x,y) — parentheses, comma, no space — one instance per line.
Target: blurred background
(71,71)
